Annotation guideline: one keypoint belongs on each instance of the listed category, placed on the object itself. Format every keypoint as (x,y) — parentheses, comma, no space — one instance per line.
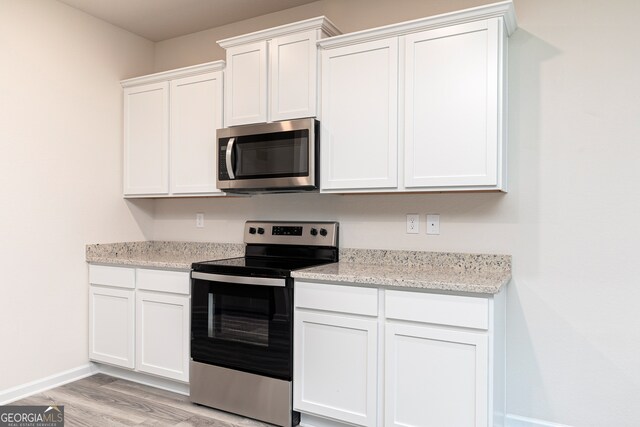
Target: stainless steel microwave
(269,157)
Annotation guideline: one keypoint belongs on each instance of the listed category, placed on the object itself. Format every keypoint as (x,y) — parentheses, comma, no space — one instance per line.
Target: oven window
(245,327)
(239,319)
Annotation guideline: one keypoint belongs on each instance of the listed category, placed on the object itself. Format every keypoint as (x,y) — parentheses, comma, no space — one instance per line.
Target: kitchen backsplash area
(468,222)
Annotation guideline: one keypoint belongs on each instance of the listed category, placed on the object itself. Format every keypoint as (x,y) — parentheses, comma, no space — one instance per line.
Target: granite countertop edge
(172,255)
(418,270)
(172,265)
(434,281)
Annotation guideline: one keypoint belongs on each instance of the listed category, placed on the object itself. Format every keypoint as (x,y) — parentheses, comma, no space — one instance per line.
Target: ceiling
(159,20)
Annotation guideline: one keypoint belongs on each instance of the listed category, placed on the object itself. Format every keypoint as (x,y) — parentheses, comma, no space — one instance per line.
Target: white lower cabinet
(111,325)
(162,334)
(337,378)
(336,352)
(139,319)
(435,377)
(400,358)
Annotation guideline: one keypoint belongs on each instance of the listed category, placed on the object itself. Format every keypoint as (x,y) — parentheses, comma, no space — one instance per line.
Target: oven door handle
(243,280)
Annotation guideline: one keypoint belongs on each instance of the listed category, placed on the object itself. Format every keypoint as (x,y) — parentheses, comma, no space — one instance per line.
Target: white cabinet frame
(163,334)
(146,139)
(111,325)
(340,383)
(359,148)
(451,135)
(195,115)
(170,119)
(139,319)
(246,88)
(272,74)
(446,348)
(451,125)
(434,405)
(293,69)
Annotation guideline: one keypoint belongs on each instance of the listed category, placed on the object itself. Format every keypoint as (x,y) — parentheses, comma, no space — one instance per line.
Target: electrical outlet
(413,223)
(433,224)
(199,220)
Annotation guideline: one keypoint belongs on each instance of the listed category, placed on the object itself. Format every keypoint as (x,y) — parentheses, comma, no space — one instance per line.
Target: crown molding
(319,23)
(164,76)
(503,10)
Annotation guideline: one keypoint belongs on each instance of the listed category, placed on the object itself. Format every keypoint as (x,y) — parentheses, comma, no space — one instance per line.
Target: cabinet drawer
(176,282)
(121,277)
(345,299)
(469,312)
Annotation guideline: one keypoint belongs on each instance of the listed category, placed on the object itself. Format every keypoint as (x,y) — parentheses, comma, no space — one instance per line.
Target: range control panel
(291,233)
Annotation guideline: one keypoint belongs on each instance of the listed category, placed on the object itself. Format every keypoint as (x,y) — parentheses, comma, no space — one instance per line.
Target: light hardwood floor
(101,400)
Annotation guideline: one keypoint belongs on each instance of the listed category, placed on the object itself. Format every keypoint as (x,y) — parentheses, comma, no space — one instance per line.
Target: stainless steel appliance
(270,157)
(242,319)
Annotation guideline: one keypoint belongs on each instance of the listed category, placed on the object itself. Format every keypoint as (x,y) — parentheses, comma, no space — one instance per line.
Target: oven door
(242,322)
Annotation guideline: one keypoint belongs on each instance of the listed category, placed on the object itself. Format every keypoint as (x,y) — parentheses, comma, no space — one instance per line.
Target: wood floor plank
(181,402)
(136,405)
(94,408)
(97,379)
(104,401)
(77,414)
(197,421)
(34,400)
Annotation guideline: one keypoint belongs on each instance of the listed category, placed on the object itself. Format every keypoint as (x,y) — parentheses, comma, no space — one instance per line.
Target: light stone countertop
(158,254)
(443,271)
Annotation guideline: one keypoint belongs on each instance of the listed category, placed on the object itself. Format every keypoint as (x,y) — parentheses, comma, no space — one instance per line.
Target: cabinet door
(451,122)
(435,377)
(196,113)
(292,70)
(162,334)
(335,367)
(146,139)
(111,325)
(359,138)
(246,85)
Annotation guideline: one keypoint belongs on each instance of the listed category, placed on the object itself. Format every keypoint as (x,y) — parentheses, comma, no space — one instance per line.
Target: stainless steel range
(242,319)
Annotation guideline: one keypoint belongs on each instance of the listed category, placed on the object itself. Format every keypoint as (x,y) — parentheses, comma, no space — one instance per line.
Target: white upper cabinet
(170,122)
(196,114)
(293,70)
(146,139)
(246,89)
(359,134)
(451,106)
(271,74)
(446,128)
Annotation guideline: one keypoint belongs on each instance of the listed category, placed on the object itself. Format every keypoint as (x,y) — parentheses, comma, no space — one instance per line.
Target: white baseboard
(518,421)
(56,380)
(38,386)
(138,377)
(510,421)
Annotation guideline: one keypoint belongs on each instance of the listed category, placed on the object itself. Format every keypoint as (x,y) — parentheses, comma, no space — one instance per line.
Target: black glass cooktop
(256,266)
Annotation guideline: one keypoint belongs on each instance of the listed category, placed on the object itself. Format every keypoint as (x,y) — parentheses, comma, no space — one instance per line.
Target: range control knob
(252,230)
(260,230)
(323,232)
(313,232)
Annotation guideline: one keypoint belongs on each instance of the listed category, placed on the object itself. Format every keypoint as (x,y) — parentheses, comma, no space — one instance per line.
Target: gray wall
(61,175)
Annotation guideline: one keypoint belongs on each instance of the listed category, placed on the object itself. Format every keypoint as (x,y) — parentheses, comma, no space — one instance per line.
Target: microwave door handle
(228,154)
